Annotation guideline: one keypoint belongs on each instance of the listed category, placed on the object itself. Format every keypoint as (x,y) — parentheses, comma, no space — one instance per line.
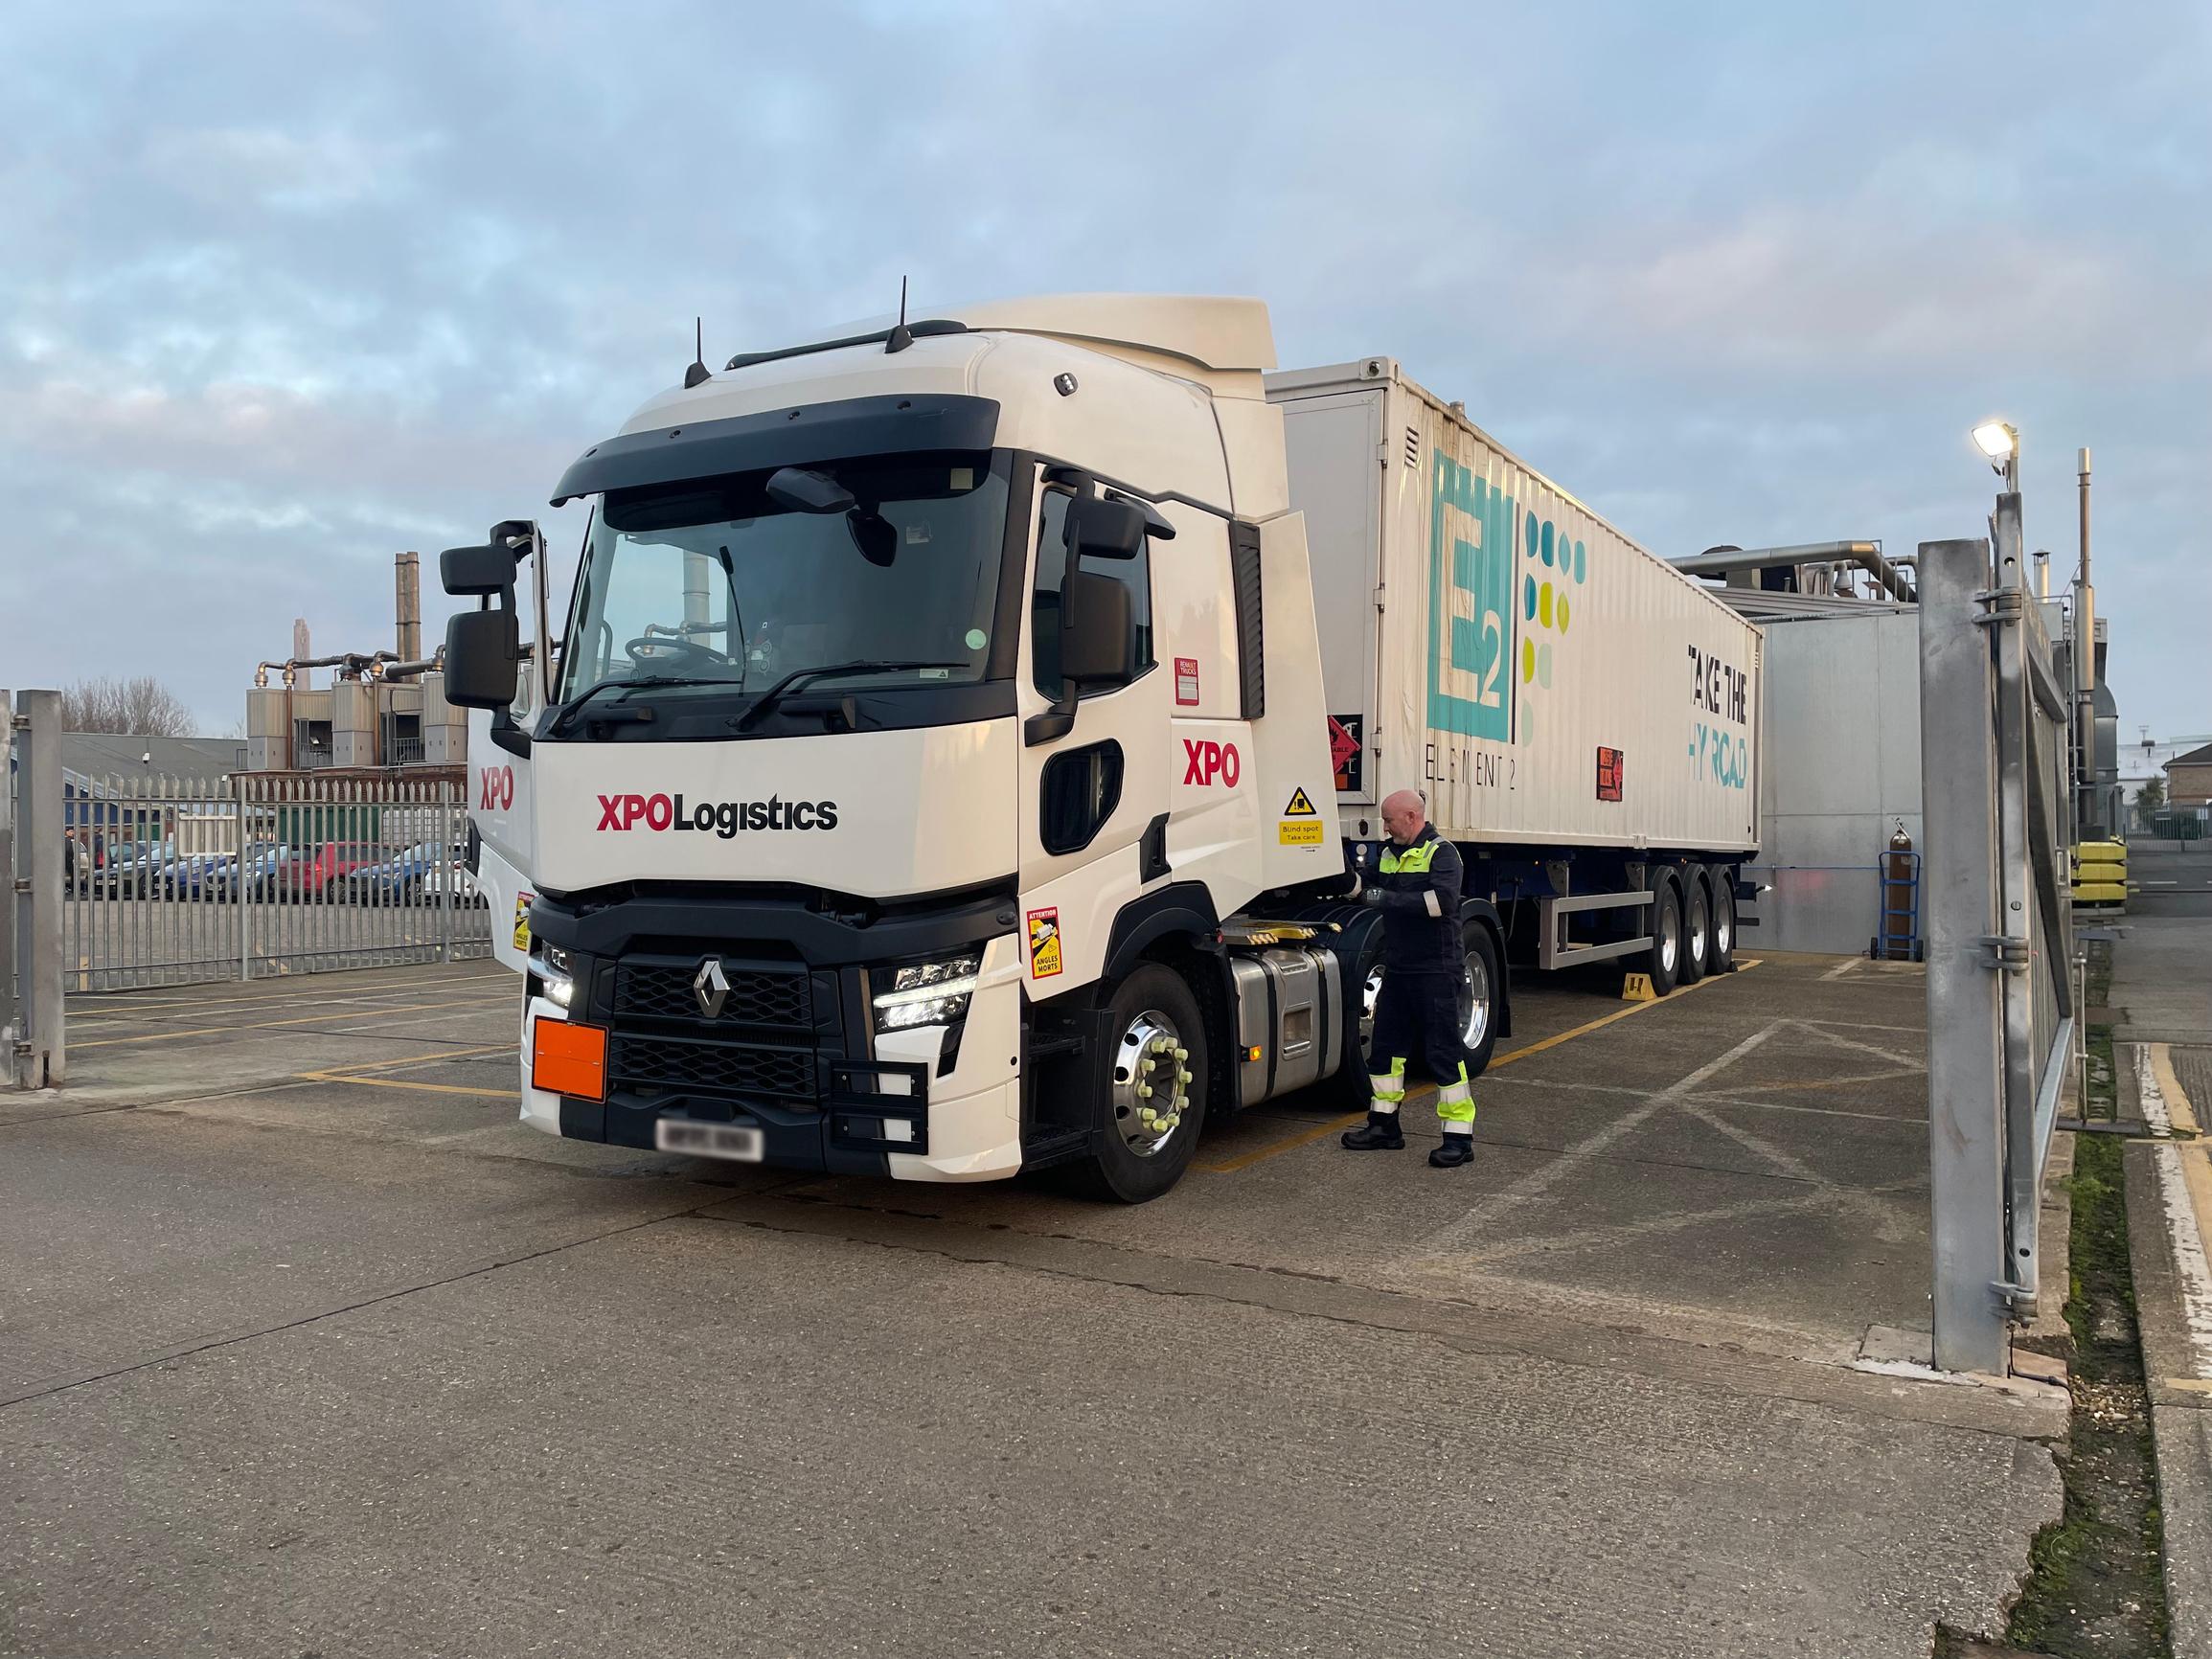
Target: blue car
(200,875)
(404,878)
(261,874)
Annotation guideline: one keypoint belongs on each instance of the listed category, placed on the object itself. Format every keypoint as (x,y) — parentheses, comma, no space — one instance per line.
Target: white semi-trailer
(964,740)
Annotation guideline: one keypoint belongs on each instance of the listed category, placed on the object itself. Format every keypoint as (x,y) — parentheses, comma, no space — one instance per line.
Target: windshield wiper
(568,713)
(768,698)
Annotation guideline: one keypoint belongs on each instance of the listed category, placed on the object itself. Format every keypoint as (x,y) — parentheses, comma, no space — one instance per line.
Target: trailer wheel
(1663,962)
(1724,957)
(1153,1104)
(1479,984)
(1697,928)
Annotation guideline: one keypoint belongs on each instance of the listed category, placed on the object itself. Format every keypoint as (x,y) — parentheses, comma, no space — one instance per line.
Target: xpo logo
(1210,762)
(499,791)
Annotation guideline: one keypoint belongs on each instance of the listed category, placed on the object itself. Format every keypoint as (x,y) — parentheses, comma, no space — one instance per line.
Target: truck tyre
(1149,1119)
(1697,927)
(1663,962)
(1362,982)
(1722,958)
(1479,993)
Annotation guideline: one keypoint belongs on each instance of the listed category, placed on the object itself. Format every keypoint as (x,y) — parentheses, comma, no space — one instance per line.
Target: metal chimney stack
(407,606)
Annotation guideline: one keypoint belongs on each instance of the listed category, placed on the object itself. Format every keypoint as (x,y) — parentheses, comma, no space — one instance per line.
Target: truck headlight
(927,994)
(557,968)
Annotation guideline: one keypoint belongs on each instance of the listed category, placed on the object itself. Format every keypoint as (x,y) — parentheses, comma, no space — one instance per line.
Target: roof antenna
(902,336)
(697,371)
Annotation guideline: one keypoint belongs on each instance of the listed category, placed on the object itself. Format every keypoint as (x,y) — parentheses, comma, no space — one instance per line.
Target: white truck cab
(931,776)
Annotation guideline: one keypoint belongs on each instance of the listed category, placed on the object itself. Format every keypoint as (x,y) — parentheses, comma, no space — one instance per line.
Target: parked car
(464,888)
(264,872)
(313,875)
(405,877)
(137,869)
(200,875)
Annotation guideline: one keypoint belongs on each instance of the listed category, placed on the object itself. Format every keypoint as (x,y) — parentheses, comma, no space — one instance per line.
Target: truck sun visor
(810,431)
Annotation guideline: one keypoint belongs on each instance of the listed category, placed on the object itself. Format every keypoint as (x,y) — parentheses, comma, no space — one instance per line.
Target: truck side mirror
(477,572)
(1100,528)
(483,654)
(484,646)
(1098,647)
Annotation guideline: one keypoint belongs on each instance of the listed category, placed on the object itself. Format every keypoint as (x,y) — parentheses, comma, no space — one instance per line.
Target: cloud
(286,289)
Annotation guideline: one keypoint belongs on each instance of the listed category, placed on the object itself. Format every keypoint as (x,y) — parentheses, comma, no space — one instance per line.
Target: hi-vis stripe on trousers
(1419,1014)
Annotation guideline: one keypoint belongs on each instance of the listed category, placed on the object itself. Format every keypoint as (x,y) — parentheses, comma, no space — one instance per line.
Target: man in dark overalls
(1416,886)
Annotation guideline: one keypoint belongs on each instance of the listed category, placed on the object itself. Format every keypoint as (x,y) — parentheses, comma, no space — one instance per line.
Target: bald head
(1403,813)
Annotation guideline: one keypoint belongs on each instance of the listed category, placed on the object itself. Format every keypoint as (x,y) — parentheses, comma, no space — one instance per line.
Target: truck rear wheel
(1478,997)
(1697,928)
(1724,957)
(1663,962)
(1153,1104)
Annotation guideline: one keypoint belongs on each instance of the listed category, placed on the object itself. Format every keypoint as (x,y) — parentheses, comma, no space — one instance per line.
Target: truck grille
(758,996)
(716,1068)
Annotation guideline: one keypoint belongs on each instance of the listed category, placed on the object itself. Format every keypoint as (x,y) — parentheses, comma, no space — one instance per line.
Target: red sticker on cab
(1186,682)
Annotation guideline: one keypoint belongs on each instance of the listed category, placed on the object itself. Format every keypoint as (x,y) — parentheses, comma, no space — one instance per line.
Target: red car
(311,876)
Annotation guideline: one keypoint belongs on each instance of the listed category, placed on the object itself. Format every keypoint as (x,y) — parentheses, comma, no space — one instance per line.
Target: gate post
(11,1007)
(1965,1013)
(41,1054)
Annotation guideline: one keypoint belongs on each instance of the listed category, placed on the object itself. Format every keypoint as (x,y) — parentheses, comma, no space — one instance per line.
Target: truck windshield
(712,586)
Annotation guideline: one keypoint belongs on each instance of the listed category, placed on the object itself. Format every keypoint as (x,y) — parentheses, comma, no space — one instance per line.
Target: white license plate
(708,1139)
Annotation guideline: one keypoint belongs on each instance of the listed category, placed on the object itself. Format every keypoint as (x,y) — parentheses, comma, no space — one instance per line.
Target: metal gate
(171,881)
(2003,987)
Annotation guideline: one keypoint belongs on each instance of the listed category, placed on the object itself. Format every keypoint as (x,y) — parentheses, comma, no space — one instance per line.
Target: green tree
(2150,801)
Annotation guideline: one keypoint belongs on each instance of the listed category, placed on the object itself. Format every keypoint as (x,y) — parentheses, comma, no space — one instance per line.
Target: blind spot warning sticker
(522,922)
(1044,944)
(1299,832)
(1300,807)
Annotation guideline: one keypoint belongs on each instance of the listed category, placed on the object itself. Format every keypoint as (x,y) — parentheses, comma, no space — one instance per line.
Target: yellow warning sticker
(1300,807)
(1300,832)
(1044,943)
(522,922)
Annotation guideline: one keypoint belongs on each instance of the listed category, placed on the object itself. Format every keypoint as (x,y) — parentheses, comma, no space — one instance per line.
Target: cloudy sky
(284,291)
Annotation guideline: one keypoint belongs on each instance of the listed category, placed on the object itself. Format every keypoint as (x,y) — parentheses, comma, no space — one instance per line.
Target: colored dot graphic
(1545,604)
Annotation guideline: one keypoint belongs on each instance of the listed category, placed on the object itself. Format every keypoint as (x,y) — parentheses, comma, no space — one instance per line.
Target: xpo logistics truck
(965,739)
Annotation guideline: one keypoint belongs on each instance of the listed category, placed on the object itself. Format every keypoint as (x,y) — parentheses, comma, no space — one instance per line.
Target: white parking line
(1462,1233)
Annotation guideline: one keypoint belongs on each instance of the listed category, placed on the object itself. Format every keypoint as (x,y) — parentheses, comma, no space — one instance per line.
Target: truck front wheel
(1153,1104)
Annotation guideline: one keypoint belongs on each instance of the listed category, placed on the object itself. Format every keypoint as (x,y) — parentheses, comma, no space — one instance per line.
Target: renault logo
(709,986)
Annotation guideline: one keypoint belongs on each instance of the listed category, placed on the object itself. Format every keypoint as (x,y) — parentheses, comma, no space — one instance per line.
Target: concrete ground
(2161,1019)
(310,1347)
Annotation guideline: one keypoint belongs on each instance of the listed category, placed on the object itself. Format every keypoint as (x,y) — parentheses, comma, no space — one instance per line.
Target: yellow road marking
(514,1094)
(114,1004)
(349,1073)
(340,1071)
(258,1025)
(1246,1159)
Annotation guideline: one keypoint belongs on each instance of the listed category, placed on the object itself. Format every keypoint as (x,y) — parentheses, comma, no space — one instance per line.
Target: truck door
(1094,800)
(499,812)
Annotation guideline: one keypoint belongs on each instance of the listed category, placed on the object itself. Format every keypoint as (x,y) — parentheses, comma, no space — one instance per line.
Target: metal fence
(170,882)
(2003,986)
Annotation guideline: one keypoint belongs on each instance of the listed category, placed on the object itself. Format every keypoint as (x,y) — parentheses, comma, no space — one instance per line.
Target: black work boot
(1381,1135)
(1457,1149)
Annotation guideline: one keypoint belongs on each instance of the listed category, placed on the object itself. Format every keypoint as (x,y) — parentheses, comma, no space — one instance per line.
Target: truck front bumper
(923,1103)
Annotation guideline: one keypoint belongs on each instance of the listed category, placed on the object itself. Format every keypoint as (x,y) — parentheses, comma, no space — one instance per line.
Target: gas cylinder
(1898,940)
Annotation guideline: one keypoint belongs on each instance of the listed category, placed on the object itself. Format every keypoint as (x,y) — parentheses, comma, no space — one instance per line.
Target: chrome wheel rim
(1698,943)
(1670,940)
(1368,993)
(1151,1082)
(1473,1002)
(1724,927)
